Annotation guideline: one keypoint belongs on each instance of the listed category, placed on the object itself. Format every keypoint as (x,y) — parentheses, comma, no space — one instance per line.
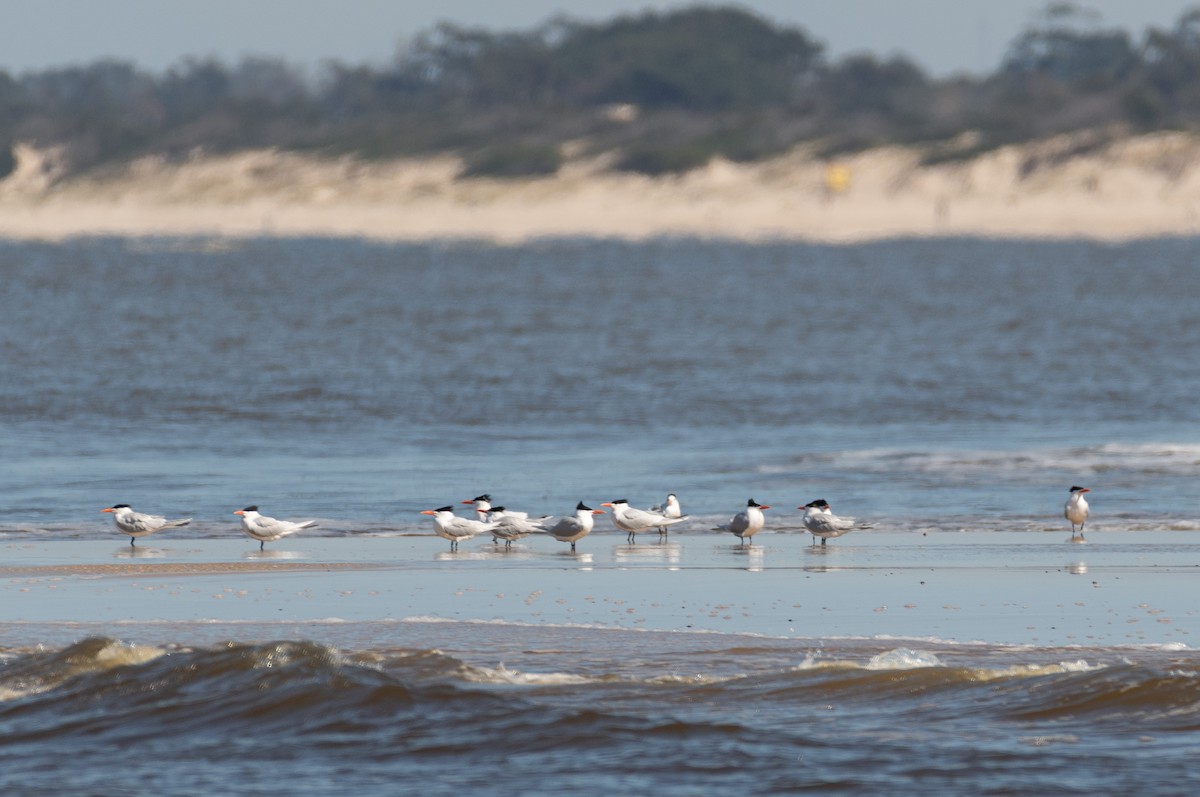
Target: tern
(821,522)
(670,509)
(510,528)
(748,522)
(450,527)
(1076,510)
(485,513)
(135,524)
(573,529)
(631,520)
(268,529)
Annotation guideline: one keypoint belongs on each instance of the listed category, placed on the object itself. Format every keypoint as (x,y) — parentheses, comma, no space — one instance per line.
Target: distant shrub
(653,159)
(514,160)
(8,161)
(962,149)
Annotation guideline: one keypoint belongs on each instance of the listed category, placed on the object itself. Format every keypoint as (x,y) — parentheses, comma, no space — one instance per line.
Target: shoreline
(1134,188)
(999,588)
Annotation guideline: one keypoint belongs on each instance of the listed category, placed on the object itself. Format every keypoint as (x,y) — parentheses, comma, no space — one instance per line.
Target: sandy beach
(1067,187)
(997,588)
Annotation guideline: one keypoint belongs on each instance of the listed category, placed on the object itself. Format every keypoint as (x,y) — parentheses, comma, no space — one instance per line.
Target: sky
(944,37)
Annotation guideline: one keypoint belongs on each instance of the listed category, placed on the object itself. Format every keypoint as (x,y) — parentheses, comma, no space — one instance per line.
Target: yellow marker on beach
(837,178)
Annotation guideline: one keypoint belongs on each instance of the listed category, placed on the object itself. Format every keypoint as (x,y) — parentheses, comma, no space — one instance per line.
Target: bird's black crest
(251,508)
(119,506)
(581,506)
(1075,489)
(484,497)
(444,509)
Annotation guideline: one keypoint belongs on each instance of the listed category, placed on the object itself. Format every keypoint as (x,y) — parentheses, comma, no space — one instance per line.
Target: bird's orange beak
(764,507)
(606,503)
(431,512)
(110,509)
(599,511)
(238,512)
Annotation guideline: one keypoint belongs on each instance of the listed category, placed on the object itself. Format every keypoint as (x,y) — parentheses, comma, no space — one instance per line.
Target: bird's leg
(823,540)
(572,547)
(131,540)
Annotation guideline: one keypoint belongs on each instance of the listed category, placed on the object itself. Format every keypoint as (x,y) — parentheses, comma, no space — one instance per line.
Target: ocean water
(944,384)
(941,390)
(669,713)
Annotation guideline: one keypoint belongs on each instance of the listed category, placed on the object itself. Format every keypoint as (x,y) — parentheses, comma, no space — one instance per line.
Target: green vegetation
(514,160)
(661,92)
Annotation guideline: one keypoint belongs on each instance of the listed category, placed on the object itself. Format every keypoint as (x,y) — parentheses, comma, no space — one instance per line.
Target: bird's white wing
(640,517)
(275,527)
(519,524)
(140,522)
(821,523)
(465,527)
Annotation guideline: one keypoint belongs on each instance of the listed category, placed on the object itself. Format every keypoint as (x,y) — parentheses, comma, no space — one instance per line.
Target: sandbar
(1018,588)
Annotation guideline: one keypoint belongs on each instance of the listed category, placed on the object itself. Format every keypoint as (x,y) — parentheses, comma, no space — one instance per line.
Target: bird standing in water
(575,528)
(748,522)
(631,521)
(454,529)
(821,522)
(135,524)
(268,529)
(1076,510)
(669,509)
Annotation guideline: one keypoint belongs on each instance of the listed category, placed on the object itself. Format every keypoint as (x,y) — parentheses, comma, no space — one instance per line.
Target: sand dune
(1062,187)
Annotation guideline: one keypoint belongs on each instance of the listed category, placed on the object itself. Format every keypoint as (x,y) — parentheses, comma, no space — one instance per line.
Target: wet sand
(1003,588)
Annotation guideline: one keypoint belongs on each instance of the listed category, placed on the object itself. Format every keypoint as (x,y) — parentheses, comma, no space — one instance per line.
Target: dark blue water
(575,712)
(920,385)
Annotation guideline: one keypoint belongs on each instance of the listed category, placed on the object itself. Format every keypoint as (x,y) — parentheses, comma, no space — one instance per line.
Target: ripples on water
(917,384)
(696,714)
(360,382)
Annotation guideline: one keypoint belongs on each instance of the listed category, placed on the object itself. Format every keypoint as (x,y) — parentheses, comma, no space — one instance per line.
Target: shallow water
(949,392)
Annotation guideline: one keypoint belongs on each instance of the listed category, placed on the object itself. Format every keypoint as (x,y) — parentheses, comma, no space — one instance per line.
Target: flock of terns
(508,526)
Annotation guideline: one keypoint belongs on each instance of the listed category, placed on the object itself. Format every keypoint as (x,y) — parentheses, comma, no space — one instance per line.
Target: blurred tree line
(657,92)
